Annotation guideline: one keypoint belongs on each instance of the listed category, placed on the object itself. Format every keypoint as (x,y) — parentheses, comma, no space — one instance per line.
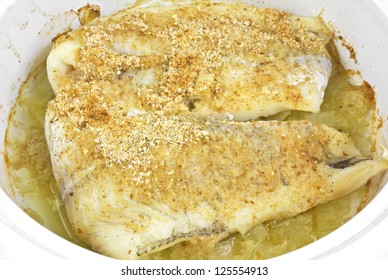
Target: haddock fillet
(141,133)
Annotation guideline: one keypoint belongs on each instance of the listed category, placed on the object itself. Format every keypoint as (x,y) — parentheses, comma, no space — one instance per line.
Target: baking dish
(28,27)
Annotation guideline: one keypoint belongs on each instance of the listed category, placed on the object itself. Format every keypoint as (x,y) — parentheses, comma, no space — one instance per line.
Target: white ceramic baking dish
(27,27)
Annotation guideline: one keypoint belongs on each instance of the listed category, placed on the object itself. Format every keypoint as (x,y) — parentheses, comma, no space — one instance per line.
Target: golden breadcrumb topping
(99,101)
(188,42)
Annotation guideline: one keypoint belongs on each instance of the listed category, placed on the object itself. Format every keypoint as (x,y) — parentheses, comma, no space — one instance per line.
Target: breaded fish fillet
(210,57)
(140,146)
(133,185)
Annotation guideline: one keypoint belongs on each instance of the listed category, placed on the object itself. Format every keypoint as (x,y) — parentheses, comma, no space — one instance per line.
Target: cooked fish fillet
(212,57)
(162,179)
(140,145)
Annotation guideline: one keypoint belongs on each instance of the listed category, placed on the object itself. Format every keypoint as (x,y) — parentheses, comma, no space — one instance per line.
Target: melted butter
(349,108)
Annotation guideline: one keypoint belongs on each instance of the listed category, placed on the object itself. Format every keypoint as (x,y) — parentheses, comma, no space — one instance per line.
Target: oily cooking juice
(349,106)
